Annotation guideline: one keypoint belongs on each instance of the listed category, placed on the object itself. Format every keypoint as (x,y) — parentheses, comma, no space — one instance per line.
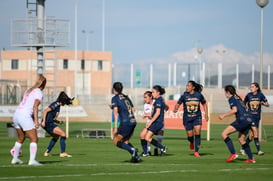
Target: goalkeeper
(49,123)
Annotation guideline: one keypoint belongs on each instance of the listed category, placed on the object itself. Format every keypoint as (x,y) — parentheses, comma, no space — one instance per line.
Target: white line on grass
(97,174)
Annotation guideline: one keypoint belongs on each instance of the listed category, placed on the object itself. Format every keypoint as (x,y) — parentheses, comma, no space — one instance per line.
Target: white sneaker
(260,153)
(242,152)
(34,163)
(16,161)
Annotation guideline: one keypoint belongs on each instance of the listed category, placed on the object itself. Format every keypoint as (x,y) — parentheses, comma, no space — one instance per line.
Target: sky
(159,31)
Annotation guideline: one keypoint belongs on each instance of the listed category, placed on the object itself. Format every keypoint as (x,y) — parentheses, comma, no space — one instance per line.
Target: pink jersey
(148,108)
(28,101)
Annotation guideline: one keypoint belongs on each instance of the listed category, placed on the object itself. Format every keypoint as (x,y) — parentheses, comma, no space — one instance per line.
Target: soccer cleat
(196,154)
(163,150)
(34,163)
(242,151)
(136,159)
(134,153)
(145,154)
(232,157)
(65,155)
(191,147)
(47,154)
(16,161)
(260,153)
(250,161)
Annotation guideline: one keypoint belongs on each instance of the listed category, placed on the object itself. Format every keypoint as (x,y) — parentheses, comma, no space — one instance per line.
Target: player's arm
(115,109)
(56,119)
(229,113)
(266,104)
(176,107)
(155,116)
(35,112)
(48,109)
(205,106)
(166,107)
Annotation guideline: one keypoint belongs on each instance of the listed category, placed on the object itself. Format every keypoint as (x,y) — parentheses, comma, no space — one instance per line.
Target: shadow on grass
(52,162)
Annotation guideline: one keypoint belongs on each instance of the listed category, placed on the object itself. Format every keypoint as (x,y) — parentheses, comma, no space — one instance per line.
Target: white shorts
(23,121)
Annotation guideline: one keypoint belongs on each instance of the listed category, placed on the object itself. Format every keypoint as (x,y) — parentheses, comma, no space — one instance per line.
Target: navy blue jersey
(124,105)
(191,104)
(253,102)
(241,113)
(55,108)
(159,103)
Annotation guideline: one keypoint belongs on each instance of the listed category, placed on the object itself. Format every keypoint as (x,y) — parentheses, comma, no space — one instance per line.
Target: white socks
(32,151)
(17,148)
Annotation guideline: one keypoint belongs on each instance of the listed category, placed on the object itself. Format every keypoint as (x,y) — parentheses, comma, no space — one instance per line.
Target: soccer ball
(12,151)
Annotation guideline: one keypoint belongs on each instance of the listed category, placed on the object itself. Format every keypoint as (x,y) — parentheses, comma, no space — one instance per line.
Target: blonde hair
(40,83)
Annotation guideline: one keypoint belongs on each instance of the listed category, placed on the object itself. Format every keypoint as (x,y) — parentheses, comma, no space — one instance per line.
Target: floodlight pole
(261,4)
(40,36)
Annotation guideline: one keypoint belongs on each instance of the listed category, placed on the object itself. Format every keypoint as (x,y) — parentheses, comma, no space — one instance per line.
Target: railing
(177,74)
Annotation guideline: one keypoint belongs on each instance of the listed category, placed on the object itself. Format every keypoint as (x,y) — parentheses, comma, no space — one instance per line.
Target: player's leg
(256,140)
(159,137)
(121,138)
(197,139)
(225,135)
(154,142)
(58,131)
(143,142)
(18,146)
(190,134)
(245,145)
(32,134)
(52,143)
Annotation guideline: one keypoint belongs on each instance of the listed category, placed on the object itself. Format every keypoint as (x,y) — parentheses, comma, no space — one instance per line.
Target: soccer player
(192,117)
(50,117)
(148,109)
(156,122)
(254,100)
(123,107)
(242,124)
(26,121)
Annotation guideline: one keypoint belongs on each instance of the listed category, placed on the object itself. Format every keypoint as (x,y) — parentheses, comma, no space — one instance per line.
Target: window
(65,63)
(82,64)
(100,65)
(14,64)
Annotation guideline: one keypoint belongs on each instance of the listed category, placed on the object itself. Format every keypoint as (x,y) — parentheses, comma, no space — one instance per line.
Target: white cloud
(218,53)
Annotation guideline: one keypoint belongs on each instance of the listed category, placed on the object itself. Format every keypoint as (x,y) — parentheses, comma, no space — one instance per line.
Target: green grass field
(98,159)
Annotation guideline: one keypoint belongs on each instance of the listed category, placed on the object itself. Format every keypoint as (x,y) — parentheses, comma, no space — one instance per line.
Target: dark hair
(197,87)
(256,85)
(159,89)
(231,89)
(149,93)
(117,86)
(64,99)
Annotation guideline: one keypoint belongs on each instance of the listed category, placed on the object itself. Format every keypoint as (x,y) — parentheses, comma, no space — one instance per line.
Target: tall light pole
(262,4)
(200,51)
(76,52)
(220,68)
(103,26)
(87,34)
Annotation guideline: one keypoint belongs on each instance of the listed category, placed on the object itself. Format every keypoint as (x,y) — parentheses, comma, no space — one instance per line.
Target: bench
(95,133)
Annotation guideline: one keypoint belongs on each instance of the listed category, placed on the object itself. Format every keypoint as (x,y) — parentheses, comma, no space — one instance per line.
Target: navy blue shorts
(242,127)
(191,122)
(156,127)
(49,127)
(126,130)
(255,122)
